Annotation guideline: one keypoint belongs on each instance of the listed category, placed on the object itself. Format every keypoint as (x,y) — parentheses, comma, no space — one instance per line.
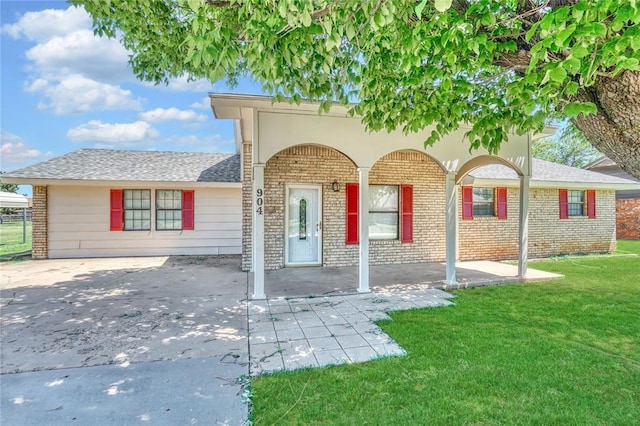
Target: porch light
(335,186)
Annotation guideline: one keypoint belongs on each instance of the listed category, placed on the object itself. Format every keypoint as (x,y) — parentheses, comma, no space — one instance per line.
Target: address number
(259,200)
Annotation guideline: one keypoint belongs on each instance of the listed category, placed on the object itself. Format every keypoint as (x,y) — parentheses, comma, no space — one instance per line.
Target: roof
(13,200)
(121,165)
(607,166)
(548,174)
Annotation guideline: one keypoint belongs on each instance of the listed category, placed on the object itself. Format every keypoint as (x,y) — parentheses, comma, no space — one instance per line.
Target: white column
(523,234)
(451,227)
(363,229)
(258,232)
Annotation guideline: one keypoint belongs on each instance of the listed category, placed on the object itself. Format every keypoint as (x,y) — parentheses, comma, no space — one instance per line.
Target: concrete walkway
(286,334)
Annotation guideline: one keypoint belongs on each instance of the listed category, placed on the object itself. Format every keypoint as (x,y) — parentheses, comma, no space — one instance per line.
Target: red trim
(564,203)
(188,210)
(352,195)
(591,203)
(116,206)
(501,195)
(467,203)
(406,213)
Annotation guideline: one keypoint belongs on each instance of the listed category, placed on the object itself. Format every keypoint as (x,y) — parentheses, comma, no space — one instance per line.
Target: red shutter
(467,202)
(406,213)
(351,190)
(116,210)
(591,203)
(564,203)
(187,210)
(501,195)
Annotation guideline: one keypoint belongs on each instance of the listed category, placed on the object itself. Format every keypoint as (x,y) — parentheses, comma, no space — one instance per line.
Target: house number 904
(259,200)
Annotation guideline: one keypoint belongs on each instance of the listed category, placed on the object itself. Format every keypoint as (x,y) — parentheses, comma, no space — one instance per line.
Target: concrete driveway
(159,340)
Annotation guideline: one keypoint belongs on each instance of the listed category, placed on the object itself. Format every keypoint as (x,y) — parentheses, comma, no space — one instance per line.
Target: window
(168,209)
(390,212)
(577,203)
(383,212)
(131,210)
(137,209)
(483,202)
(487,202)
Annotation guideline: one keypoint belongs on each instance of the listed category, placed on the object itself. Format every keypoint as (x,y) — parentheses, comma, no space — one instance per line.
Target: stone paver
(287,334)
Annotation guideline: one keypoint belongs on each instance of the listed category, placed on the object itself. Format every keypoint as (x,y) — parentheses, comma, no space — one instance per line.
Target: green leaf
(419,8)
(574,109)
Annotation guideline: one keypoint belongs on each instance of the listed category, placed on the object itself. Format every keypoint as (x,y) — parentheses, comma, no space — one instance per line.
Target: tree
(8,187)
(497,64)
(568,146)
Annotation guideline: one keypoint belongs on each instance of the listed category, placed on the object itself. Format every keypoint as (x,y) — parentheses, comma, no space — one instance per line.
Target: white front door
(303,227)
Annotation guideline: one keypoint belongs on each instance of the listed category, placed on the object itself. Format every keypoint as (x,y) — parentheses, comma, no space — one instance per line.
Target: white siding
(79,225)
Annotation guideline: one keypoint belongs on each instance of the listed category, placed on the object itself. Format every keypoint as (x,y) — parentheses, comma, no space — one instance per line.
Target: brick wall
(39,223)
(628,219)
(490,238)
(319,165)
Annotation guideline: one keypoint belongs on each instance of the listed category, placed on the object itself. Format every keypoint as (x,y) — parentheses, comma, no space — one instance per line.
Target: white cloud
(77,94)
(81,52)
(46,24)
(118,134)
(160,115)
(16,153)
(205,103)
(182,84)
(210,143)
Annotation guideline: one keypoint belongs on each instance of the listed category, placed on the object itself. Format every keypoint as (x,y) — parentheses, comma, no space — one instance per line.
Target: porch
(387,279)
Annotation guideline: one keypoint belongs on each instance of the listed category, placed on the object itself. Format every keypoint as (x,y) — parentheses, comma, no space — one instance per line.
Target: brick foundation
(39,221)
(628,219)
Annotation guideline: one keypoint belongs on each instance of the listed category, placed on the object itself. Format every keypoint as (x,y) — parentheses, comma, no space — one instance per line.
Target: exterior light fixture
(335,186)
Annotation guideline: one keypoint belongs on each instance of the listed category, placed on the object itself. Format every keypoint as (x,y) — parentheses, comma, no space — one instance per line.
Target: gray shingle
(119,165)
(542,171)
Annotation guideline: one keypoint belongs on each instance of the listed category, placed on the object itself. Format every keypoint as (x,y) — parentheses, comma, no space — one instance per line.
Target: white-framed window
(575,200)
(383,212)
(168,209)
(484,202)
(137,209)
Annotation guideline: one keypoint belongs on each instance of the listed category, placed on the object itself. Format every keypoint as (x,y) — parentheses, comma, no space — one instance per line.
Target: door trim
(288,186)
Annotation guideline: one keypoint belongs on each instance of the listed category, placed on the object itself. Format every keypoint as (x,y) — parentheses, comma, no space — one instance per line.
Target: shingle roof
(546,171)
(120,165)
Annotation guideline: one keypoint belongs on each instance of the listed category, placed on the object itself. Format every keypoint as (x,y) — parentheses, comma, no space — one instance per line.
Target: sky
(63,89)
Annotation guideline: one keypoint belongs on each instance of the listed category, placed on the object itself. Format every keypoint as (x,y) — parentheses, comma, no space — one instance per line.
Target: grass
(556,352)
(11,238)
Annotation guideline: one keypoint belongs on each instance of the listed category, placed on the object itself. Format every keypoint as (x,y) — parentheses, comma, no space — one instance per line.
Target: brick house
(627,201)
(319,190)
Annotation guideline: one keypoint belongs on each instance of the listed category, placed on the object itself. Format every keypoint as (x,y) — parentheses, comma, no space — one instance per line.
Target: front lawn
(11,238)
(557,352)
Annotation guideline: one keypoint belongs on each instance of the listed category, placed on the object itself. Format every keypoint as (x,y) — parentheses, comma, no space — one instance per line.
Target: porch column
(258,232)
(451,227)
(523,235)
(363,229)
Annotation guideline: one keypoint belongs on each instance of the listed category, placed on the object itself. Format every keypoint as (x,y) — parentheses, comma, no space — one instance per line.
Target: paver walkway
(285,334)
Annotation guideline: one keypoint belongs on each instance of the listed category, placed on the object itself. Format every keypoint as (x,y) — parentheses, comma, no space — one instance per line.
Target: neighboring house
(99,202)
(627,201)
(319,190)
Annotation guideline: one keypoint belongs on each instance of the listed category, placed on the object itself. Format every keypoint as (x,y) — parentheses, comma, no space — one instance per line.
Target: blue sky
(64,89)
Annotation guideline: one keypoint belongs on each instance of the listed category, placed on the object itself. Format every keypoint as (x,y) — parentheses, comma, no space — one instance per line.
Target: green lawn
(11,238)
(557,352)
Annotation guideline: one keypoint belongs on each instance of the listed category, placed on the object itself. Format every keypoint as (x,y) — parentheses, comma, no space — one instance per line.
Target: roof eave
(118,183)
(533,183)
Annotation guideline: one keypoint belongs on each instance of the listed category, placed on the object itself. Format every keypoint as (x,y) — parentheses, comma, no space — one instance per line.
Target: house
(627,201)
(305,189)
(85,202)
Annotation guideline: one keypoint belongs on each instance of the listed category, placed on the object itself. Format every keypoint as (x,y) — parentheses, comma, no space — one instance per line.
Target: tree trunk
(615,129)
